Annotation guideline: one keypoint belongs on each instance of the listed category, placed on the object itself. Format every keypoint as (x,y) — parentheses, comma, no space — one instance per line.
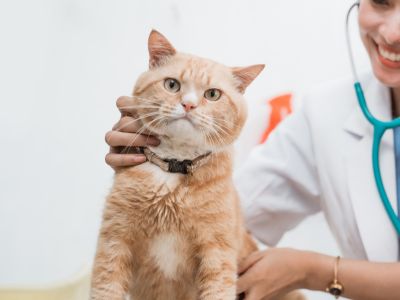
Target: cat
(172,227)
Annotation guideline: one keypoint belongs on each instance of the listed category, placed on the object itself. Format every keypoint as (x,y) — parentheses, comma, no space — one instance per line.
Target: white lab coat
(319,159)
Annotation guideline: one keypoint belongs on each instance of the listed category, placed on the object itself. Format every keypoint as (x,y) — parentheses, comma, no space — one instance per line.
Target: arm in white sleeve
(278,185)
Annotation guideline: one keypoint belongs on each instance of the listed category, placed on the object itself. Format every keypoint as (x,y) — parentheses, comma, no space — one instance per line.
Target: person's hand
(125,135)
(272,273)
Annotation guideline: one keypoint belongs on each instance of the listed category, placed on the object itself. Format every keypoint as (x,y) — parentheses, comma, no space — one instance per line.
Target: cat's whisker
(168,113)
(210,141)
(204,125)
(215,145)
(138,106)
(138,133)
(225,124)
(113,132)
(214,138)
(204,133)
(217,135)
(143,116)
(222,129)
(148,103)
(211,125)
(153,101)
(206,119)
(150,100)
(131,122)
(156,120)
(159,122)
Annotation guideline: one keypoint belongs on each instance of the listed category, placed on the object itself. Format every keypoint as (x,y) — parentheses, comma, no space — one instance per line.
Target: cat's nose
(188,106)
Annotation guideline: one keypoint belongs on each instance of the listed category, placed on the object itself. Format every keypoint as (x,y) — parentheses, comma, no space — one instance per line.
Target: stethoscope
(379,129)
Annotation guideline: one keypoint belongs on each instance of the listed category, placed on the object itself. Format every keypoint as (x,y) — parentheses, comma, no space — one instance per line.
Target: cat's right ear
(245,75)
(159,49)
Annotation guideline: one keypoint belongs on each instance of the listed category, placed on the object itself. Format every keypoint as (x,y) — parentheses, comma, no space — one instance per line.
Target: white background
(64,63)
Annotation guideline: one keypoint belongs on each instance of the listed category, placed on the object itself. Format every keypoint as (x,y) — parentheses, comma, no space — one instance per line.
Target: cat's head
(188,98)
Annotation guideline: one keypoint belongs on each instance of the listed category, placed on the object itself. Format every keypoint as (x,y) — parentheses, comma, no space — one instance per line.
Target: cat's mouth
(185,117)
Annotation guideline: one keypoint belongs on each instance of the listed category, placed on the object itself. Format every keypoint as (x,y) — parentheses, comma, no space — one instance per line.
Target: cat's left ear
(245,75)
(159,48)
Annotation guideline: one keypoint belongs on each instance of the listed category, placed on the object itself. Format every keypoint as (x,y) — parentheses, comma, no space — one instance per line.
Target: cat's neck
(219,162)
(179,149)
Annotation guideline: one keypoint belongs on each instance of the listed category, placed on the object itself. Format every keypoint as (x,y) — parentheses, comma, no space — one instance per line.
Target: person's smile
(388,56)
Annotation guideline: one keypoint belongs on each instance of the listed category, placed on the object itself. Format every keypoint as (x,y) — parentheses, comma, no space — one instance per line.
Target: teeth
(389,55)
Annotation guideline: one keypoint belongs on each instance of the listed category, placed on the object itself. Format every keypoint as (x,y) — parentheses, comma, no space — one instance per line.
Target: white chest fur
(159,177)
(167,250)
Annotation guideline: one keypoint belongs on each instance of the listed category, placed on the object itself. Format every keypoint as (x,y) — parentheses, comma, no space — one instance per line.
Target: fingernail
(153,141)
(139,158)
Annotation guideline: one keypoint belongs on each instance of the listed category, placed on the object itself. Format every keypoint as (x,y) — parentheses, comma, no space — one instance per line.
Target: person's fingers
(250,260)
(124,160)
(130,124)
(245,282)
(127,124)
(247,274)
(253,294)
(126,104)
(117,138)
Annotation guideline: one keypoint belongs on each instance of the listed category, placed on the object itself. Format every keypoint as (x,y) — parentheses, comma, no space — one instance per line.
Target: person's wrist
(299,268)
(318,269)
(304,264)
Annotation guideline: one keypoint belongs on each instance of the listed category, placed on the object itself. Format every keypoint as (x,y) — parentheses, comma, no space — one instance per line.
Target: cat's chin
(182,139)
(171,148)
(183,120)
(183,129)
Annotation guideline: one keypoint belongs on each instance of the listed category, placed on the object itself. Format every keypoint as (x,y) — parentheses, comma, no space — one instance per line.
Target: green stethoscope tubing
(379,129)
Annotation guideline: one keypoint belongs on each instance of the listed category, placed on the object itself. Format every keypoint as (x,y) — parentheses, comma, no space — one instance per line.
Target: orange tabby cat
(172,228)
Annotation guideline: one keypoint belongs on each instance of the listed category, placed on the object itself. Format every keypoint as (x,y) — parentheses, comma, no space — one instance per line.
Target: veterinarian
(320,159)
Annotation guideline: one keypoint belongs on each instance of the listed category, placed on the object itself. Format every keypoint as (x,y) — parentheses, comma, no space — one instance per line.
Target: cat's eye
(172,85)
(212,94)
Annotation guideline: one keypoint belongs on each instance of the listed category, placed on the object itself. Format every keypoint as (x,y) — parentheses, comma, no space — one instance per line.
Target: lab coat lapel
(376,231)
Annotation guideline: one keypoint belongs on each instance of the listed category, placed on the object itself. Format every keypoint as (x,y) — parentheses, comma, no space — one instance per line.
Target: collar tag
(176,166)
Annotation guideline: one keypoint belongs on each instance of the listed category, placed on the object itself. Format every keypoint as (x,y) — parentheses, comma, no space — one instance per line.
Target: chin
(183,130)
(389,79)
(180,127)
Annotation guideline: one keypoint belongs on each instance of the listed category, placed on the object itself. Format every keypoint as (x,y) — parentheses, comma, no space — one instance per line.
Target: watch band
(335,288)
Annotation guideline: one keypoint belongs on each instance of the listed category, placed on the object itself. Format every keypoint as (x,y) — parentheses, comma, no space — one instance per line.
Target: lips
(388,57)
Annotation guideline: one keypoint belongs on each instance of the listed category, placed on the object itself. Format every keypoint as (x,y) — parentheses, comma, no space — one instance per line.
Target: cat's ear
(159,48)
(245,75)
